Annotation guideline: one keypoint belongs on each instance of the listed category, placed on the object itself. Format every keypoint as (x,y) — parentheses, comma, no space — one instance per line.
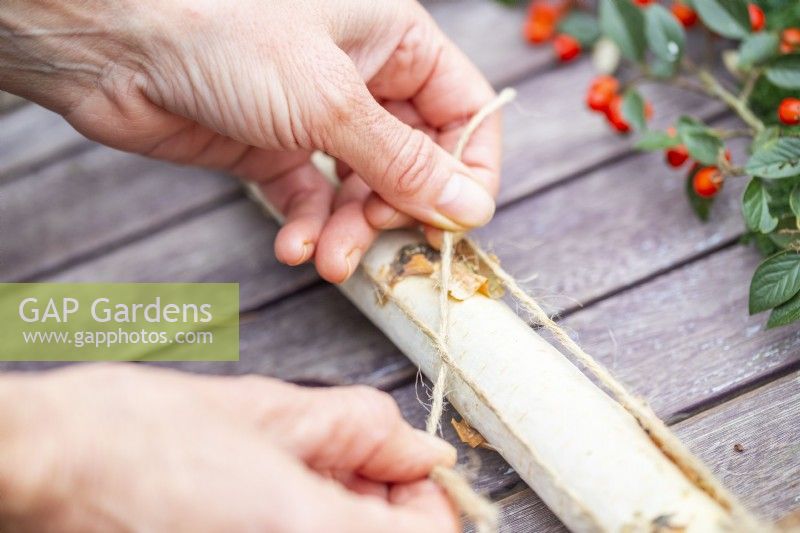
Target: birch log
(582,453)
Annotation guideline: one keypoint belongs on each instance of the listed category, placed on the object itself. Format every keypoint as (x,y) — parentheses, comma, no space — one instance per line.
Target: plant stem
(730,134)
(749,84)
(714,88)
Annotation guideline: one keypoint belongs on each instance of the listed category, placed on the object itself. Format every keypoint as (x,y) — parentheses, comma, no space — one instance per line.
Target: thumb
(404,165)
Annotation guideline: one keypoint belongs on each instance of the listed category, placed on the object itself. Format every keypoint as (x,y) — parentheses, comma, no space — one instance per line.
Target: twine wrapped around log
(730,515)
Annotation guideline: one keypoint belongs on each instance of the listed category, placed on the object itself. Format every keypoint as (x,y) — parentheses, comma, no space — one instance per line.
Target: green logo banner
(119,321)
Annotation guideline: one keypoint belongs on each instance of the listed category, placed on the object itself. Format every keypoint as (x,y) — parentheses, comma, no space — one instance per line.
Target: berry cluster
(604,97)
(707,180)
(541,26)
(757,42)
(790,40)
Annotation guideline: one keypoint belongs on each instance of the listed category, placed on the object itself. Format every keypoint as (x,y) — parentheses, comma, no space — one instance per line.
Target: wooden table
(656,295)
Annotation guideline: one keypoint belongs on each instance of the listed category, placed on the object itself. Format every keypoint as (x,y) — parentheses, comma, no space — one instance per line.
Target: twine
(482,512)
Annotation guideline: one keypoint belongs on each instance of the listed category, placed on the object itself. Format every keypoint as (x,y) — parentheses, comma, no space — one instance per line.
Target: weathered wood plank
(766,475)
(686,337)
(94,200)
(491,36)
(30,135)
(765,422)
(233,242)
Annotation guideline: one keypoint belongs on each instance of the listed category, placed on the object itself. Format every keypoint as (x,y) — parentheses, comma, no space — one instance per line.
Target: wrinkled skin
(255,88)
(125,448)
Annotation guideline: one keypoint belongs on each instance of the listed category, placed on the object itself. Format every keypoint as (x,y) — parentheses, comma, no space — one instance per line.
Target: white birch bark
(582,453)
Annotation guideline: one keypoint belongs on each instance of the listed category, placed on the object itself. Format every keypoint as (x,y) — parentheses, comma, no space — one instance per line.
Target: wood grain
(92,201)
(231,242)
(32,136)
(491,36)
(686,337)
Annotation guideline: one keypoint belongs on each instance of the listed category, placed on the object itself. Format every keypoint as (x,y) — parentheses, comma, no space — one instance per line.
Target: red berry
(677,155)
(648,110)
(685,14)
(790,39)
(644,2)
(614,115)
(601,91)
(541,23)
(707,182)
(538,32)
(566,46)
(756,17)
(789,111)
(544,11)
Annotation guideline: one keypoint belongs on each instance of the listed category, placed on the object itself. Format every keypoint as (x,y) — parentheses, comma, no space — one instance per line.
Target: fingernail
(465,202)
(352,260)
(308,249)
(305,254)
(443,448)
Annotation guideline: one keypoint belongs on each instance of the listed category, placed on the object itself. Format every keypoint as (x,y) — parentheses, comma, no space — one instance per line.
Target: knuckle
(411,169)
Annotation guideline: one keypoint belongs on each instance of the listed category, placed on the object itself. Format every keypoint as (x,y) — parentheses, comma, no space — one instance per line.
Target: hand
(124,448)
(254,87)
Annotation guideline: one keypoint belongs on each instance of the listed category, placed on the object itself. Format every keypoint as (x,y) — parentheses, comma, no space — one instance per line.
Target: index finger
(446,89)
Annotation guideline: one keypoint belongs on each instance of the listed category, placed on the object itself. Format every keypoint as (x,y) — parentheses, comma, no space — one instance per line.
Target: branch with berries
(750,62)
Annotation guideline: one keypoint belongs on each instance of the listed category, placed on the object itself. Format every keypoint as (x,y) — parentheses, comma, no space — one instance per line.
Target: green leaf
(701,206)
(775,281)
(665,35)
(776,159)
(794,200)
(785,313)
(785,72)
(701,144)
(582,26)
(633,109)
(623,23)
(726,17)
(755,208)
(663,69)
(656,140)
(762,242)
(757,48)
(764,137)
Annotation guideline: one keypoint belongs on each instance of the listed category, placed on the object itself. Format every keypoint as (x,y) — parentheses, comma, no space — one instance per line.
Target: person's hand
(253,87)
(124,448)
